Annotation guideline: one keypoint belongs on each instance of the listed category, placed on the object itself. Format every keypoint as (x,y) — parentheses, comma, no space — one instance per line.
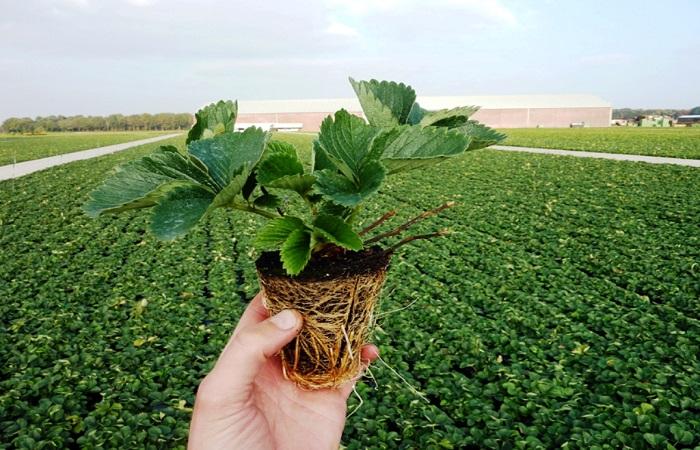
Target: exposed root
(347,342)
(337,315)
(382,314)
(359,405)
(370,374)
(410,386)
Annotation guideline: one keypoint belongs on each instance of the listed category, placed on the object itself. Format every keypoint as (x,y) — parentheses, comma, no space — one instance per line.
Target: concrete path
(616,156)
(27,167)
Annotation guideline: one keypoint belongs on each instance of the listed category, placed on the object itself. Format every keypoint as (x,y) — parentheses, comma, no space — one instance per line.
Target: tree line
(113,122)
(632,113)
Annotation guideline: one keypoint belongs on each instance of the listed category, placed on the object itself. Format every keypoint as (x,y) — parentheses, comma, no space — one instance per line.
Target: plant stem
(378,222)
(352,216)
(411,222)
(405,241)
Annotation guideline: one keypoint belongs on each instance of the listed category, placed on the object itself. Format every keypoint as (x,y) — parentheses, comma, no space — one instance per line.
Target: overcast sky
(131,56)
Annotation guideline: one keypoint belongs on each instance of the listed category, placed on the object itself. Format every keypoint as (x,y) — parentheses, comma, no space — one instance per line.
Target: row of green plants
(14,148)
(562,311)
(670,142)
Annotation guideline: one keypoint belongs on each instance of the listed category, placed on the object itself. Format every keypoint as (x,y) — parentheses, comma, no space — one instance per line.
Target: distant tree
(116,122)
(630,113)
(7,125)
(695,111)
(113,122)
(18,125)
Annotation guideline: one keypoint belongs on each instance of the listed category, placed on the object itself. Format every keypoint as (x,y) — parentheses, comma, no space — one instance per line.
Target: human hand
(246,403)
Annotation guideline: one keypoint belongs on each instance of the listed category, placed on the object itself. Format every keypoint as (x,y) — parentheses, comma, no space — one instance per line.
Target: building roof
(485,102)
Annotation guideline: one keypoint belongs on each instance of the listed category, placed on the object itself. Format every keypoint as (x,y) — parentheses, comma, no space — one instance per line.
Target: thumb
(250,347)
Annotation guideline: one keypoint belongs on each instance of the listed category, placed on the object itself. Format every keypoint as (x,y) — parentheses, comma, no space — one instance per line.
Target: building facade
(507,111)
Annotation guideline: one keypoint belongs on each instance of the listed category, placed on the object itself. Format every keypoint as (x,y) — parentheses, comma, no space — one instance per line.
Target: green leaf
(178,211)
(416,114)
(280,147)
(278,165)
(653,439)
(482,136)
(276,231)
(448,118)
(282,169)
(319,159)
(226,154)
(296,251)
(346,141)
(140,183)
(339,189)
(129,188)
(682,435)
(385,103)
(213,120)
(334,209)
(299,183)
(228,194)
(405,148)
(385,139)
(168,161)
(338,232)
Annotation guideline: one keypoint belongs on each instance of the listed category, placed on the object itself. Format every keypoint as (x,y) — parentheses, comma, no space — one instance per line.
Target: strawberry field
(678,142)
(561,312)
(17,148)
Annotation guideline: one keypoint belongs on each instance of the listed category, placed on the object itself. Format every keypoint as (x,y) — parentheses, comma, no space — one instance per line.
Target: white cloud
(77,3)
(340,29)
(140,3)
(492,10)
(605,59)
(363,7)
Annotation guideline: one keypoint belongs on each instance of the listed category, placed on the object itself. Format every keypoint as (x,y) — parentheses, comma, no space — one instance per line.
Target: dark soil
(328,265)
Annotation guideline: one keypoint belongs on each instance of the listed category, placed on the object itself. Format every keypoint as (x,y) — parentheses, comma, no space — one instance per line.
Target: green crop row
(672,142)
(561,312)
(15,148)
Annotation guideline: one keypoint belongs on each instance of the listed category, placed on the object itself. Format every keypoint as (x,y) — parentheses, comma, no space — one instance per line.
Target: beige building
(503,111)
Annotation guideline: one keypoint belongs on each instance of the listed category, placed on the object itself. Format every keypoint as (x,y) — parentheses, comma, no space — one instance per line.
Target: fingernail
(284,320)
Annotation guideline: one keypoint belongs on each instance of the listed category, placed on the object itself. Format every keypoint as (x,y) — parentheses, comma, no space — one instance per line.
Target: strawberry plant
(244,171)
(318,262)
